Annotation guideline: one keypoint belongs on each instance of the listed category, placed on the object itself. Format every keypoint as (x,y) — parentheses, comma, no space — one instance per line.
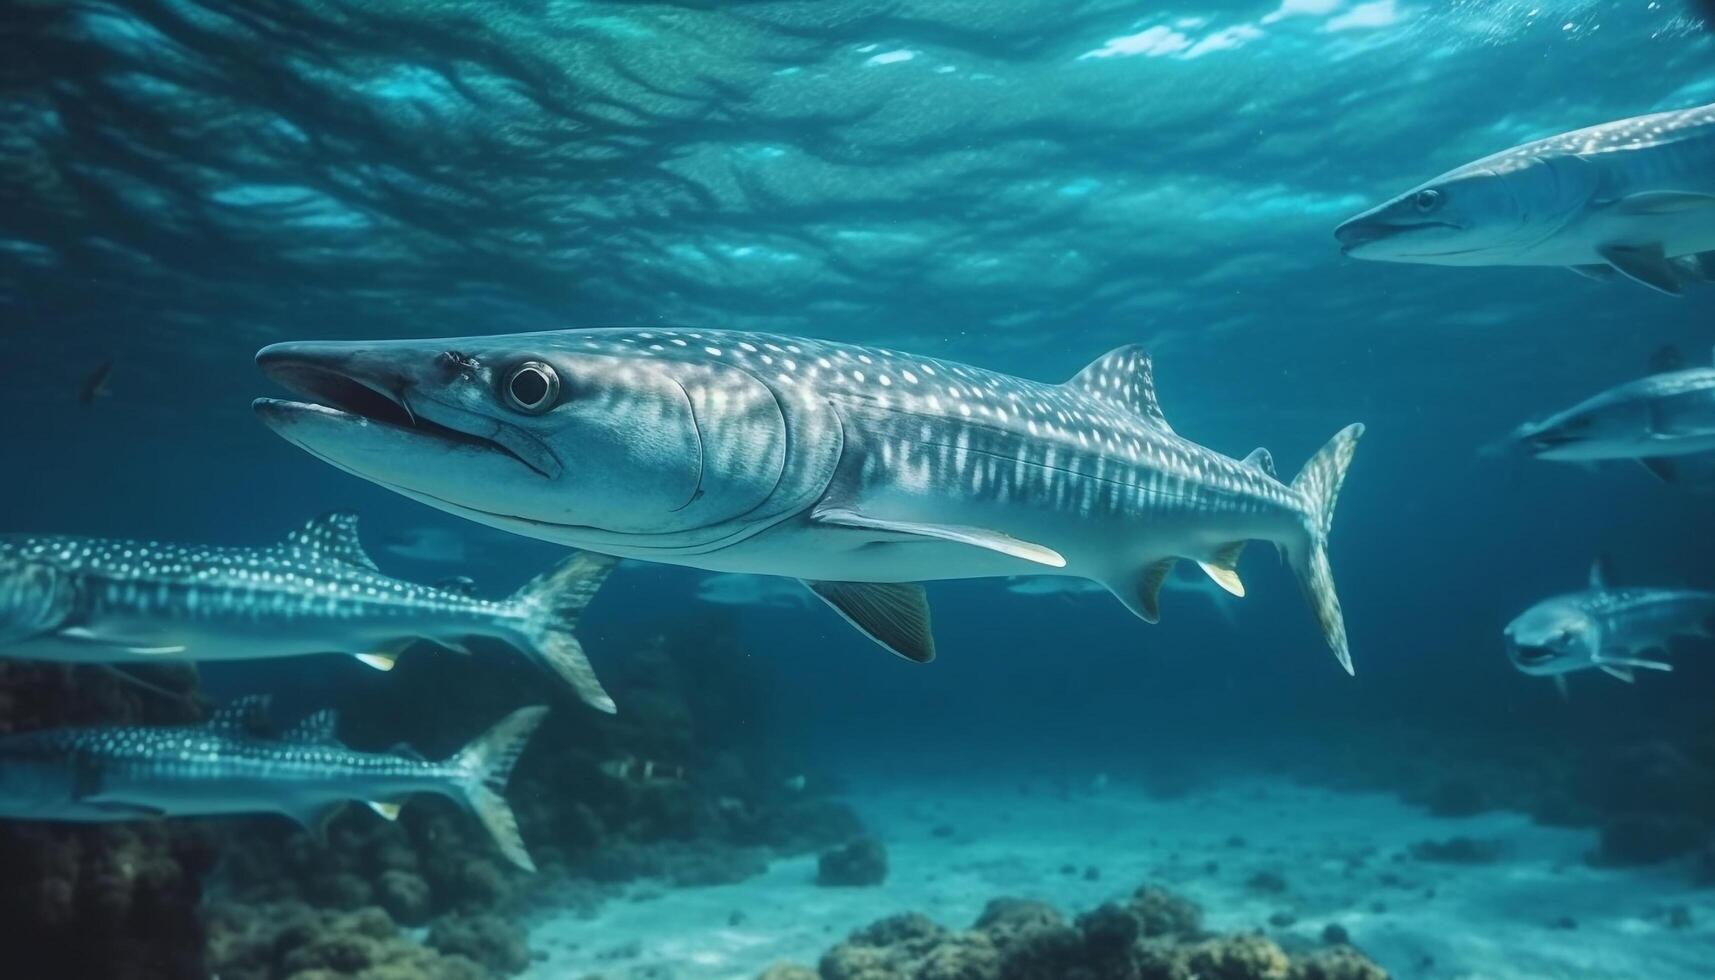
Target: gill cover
(649,445)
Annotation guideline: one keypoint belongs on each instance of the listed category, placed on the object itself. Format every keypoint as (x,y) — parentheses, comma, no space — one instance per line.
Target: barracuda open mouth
(1357,234)
(1530,656)
(331,392)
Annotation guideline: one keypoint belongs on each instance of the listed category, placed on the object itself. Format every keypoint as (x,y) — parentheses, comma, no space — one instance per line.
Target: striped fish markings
(858,470)
(1632,198)
(224,767)
(1664,421)
(1606,628)
(98,600)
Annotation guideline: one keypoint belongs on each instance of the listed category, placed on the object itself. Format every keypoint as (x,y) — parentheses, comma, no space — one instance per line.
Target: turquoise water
(1020,186)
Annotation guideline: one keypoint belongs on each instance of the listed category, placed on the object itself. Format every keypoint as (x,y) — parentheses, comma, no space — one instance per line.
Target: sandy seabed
(1537,912)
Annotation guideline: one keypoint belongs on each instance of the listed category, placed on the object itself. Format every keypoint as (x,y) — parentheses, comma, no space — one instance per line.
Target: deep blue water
(1019,185)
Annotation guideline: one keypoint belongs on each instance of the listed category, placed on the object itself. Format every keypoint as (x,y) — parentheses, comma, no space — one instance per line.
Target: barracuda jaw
(351,403)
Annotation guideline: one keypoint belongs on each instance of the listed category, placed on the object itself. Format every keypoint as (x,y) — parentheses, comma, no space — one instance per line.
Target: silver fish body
(91,600)
(222,767)
(1633,198)
(849,467)
(1608,629)
(1667,414)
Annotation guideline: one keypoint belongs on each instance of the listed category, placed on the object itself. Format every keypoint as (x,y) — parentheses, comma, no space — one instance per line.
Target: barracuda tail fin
(1319,482)
(554,602)
(483,768)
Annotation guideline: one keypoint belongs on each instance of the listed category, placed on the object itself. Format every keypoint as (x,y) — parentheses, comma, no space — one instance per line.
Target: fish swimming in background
(434,545)
(1632,198)
(643,772)
(95,384)
(858,470)
(1607,629)
(1657,421)
(96,600)
(770,591)
(224,767)
(1043,586)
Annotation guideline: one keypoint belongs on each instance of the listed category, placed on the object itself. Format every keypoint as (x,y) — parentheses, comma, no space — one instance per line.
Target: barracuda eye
(533,387)
(1426,201)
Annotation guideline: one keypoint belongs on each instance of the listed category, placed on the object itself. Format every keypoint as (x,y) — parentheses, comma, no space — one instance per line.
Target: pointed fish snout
(361,378)
(293,362)
(1359,231)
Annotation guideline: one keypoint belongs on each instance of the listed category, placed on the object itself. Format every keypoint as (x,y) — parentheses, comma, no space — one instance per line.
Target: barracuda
(1606,628)
(96,600)
(225,767)
(1658,420)
(860,471)
(1633,198)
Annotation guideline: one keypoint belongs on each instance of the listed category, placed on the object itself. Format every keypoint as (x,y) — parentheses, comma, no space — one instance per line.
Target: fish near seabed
(1656,420)
(223,767)
(1632,198)
(1606,628)
(99,600)
(858,470)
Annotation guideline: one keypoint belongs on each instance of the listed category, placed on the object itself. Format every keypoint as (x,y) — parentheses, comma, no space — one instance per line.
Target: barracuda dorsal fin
(314,729)
(1261,459)
(1665,359)
(459,585)
(1599,573)
(893,614)
(241,716)
(330,537)
(1124,379)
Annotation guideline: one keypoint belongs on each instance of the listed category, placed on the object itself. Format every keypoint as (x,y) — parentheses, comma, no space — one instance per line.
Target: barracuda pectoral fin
(893,614)
(382,660)
(1635,662)
(1141,593)
(1664,202)
(1646,265)
(1599,273)
(387,811)
(976,537)
(120,644)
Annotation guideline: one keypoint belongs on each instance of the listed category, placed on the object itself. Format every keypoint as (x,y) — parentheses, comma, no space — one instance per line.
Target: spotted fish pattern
(861,471)
(93,600)
(226,766)
(1617,630)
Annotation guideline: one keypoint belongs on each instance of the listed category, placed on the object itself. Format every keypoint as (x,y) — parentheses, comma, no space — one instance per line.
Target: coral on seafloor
(292,940)
(861,862)
(708,818)
(1154,936)
(113,901)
